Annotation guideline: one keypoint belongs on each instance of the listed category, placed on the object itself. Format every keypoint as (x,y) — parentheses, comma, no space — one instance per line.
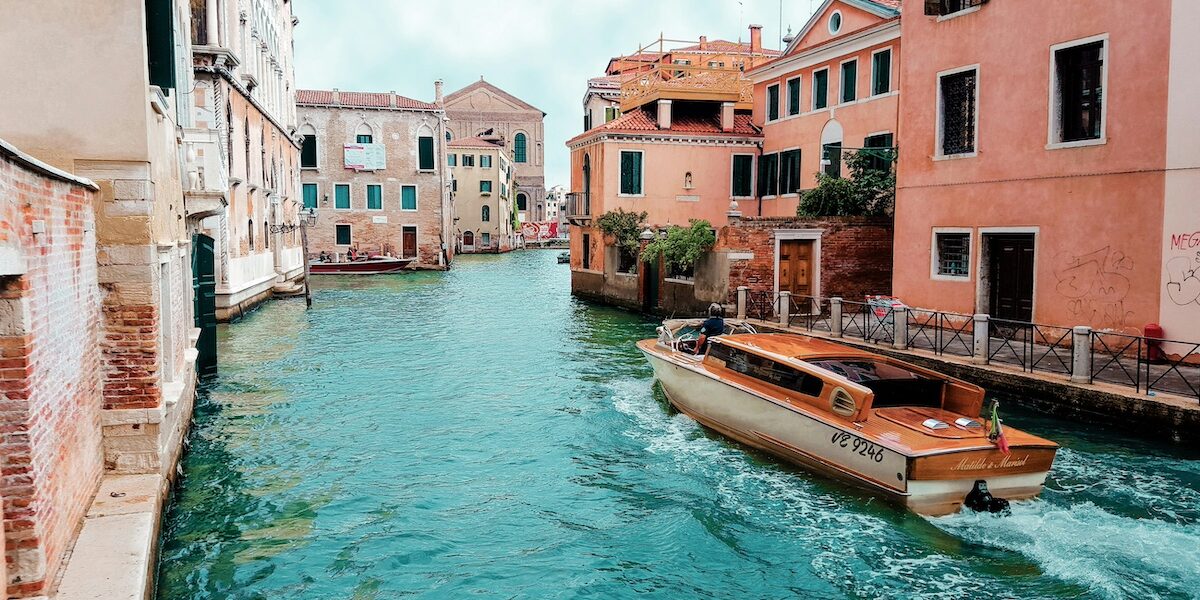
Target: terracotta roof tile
(360,100)
(893,4)
(608,81)
(639,121)
(725,46)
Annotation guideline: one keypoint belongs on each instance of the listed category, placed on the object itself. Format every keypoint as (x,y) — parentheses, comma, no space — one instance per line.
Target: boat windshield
(893,385)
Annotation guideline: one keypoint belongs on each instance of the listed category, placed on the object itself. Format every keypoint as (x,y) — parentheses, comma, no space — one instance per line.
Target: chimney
(337,98)
(755,39)
(437,92)
(726,116)
(392,99)
(664,114)
(704,42)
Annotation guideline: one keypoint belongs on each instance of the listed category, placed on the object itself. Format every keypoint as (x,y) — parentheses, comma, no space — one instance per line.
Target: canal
(481,433)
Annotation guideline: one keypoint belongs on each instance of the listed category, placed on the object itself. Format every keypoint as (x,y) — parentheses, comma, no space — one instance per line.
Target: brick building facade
(376,206)
(51,456)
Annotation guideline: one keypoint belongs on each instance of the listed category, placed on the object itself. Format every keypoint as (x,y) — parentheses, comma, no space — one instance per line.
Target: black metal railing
(760,305)
(941,332)
(1173,375)
(811,313)
(1116,359)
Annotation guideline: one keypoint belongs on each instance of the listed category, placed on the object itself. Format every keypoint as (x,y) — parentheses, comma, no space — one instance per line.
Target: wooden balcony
(686,82)
(579,208)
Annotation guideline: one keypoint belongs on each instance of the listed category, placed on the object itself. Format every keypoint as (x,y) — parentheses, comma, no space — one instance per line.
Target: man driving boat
(713,326)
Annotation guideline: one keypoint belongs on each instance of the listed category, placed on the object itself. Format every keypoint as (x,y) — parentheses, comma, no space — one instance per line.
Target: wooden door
(1010,271)
(408,242)
(204,298)
(796,268)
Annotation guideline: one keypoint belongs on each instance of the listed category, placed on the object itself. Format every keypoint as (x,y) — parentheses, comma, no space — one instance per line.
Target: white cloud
(542,51)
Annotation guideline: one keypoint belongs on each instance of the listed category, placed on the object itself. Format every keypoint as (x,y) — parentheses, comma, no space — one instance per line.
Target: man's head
(716,310)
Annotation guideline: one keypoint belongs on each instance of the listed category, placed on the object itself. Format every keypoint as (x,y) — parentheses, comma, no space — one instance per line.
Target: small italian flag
(996,430)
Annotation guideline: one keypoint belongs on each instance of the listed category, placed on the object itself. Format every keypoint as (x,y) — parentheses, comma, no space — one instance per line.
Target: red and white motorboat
(374,265)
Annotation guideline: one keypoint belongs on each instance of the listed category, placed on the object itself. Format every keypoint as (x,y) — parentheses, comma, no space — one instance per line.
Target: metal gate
(204,294)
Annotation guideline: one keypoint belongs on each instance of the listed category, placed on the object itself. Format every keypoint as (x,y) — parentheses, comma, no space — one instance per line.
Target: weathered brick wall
(856,253)
(50,431)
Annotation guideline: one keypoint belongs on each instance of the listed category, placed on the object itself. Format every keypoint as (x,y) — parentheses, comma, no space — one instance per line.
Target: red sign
(537,232)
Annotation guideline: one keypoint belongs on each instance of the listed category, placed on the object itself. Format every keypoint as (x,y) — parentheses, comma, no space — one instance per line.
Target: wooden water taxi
(375,265)
(908,433)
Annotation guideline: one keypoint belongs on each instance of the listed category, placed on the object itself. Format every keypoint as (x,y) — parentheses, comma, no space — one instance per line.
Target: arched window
(522,201)
(519,148)
(363,135)
(449,136)
(250,228)
(468,238)
(485,215)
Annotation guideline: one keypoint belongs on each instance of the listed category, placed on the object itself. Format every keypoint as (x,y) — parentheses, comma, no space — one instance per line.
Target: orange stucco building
(1049,161)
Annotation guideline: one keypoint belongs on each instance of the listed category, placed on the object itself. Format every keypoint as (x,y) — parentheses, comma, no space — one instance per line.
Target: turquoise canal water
(479,433)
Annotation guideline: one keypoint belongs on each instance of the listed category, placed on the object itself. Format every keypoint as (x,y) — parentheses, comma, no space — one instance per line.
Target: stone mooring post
(900,327)
(982,340)
(785,307)
(743,294)
(835,316)
(1081,354)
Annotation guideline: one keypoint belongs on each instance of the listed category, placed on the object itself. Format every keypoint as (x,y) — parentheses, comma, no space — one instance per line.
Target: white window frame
(416,195)
(778,102)
(335,238)
(829,22)
(935,258)
(367,197)
(799,102)
(314,184)
(937,139)
(349,194)
(489,157)
(812,103)
(753,175)
(891,71)
(842,81)
(1054,106)
(486,243)
(642,183)
(491,188)
(959,13)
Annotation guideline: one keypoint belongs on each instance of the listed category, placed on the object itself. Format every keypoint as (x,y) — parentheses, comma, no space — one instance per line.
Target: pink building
(1049,157)
(834,87)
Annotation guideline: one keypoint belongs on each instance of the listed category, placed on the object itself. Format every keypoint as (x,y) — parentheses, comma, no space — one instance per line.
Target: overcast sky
(542,51)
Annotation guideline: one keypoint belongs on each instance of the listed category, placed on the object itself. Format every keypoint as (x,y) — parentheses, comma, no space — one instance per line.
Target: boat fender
(981,500)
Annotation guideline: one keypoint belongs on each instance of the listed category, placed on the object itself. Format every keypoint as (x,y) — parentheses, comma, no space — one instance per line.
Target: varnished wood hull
(364,267)
(927,484)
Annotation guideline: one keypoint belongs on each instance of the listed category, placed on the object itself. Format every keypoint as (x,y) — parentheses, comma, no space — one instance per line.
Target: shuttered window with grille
(958,112)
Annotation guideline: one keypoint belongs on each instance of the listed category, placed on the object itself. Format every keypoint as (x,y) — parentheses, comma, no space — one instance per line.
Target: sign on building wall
(364,157)
(537,232)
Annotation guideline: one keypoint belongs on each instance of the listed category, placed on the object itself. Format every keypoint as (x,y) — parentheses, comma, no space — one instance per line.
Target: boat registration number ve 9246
(857,445)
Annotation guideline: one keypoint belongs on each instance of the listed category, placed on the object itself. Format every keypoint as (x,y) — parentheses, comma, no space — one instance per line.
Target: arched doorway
(831,148)
(468,241)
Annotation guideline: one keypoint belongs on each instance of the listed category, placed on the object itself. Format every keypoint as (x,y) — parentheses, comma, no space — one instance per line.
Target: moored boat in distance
(374,265)
(908,433)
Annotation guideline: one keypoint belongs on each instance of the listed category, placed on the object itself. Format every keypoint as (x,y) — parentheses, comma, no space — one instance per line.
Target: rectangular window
(833,158)
(948,7)
(374,197)
(793,96)
(768,174)
(953,254)
(1080,73)
(881,72)
(587,251)
(308,152)
(160,43)
(342,231)
(631,173)
(310,195)
(714,64)
(487,239)
(363,138)
(820,87)
(880,152)
(611,113)
(485,161)
(587,121)
(452,160)
(485,186)
(408,197)
(789,171)
(772,102)
(766,370)
(425,152)
(743,176)
(468,160)
(957,121)
(849,81)
(341,195)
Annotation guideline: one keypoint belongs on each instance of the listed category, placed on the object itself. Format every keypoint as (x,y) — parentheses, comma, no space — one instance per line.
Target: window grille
(947,7)
(953,252)
(958,113)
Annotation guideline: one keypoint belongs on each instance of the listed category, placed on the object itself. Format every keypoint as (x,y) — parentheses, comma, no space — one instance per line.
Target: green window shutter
(772,102)
(425,150)
(374,197)
(364,138)
(742,173)
(452,160)
(485,161)
(310,195)
(408,197)
(631,173)
(341,196)
(820,89)
(881,72)
(343,235)
(793,89)
(850,81)
(160,42)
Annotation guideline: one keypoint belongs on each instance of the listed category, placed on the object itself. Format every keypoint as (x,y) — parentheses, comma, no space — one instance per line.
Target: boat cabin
(848,383)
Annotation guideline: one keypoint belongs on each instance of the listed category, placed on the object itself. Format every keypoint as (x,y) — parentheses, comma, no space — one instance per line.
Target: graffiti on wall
(1183,271)
(1095,285)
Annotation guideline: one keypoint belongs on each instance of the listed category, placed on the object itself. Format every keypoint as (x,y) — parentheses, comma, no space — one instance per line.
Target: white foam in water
(1120,480)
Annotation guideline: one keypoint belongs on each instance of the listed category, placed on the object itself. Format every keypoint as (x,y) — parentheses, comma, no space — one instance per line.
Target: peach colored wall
(1098,210)
(852,19)
(866,116)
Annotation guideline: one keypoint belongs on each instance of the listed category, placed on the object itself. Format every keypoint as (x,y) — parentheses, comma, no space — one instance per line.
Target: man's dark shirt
(713,326)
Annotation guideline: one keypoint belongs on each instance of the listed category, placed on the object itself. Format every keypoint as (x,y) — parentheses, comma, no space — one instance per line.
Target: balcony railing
(686,82)
(206,183)
(579,208)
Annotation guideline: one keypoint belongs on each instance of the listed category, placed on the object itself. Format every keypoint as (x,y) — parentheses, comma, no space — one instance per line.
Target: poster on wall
(364,157)
(539,231)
